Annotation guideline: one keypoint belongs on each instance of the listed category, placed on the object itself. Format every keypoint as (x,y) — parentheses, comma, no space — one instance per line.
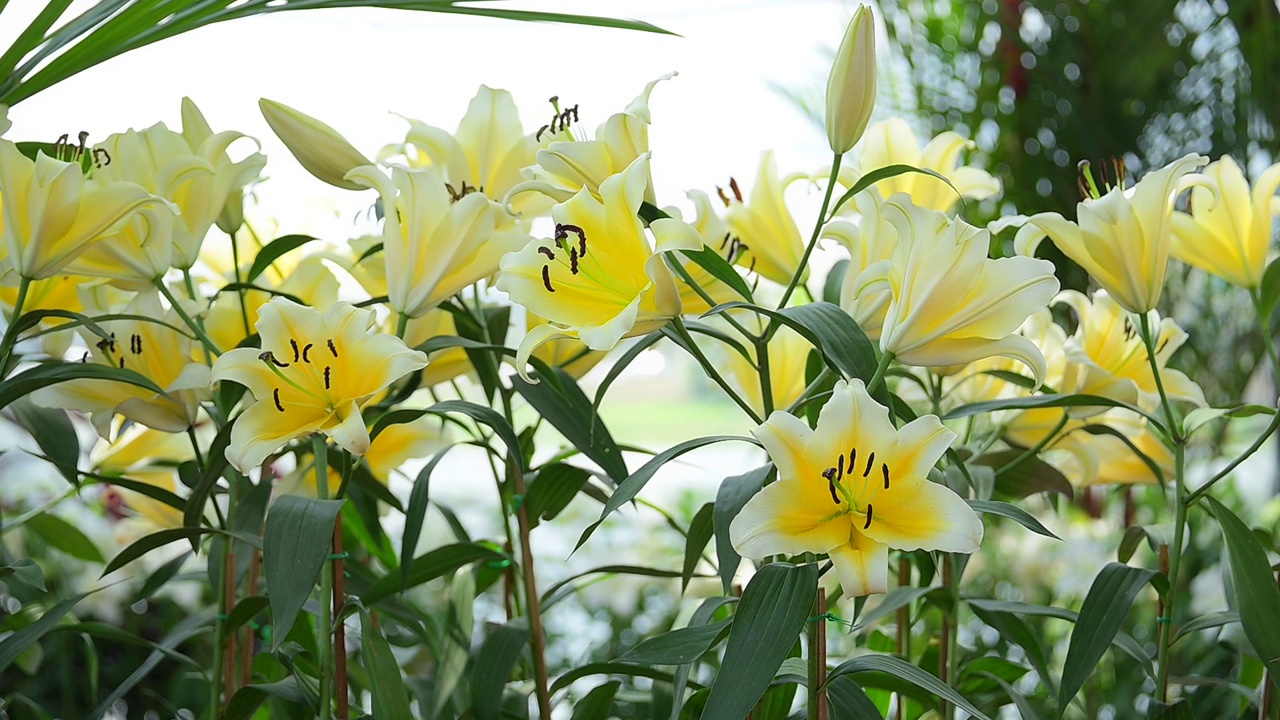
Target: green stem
(766,379)
(678,323)
(947,645)
(810,389)
(35,512)
(813,239)
(209,347)
(1165,621)
(1035,450)
(1264,326)
(402,322)
(235,264)
(817,666)
(10,335)
(886,357)
(1257,443)
(321,457)
(680,270)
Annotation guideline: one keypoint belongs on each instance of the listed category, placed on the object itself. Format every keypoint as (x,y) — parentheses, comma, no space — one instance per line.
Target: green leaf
(386,686)
(772,612)
(1155,535)
(884,173)
(835,281)
(896,598)
(560,401)
(632,486)
(733,494)
(248,698)
(147,543)
(1046,401)
(429,566)
(244,611)
(54,435)
(1254,586)
(1200,416)
(700,530)
(17,643)
(709,260)
(1204,622)
(66,537)
(849,702)
(554,594)
(844,345)
(676,647)
(1105,607)
(162,576)
(25,571)
(552,489)
(494,663)
(597,704)
(899,668)
(1180,710)
(1013,512)
(416,514)
(1027,478)
(298,538)
(272,251)
(479,413)
(216,456)
(1014,629)
(40,376)
(184,630)
(455,641)
(609,668)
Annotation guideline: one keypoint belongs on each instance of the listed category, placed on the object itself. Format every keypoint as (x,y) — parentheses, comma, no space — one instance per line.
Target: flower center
(303,355)
(841,492)
(560,119)
(566,245)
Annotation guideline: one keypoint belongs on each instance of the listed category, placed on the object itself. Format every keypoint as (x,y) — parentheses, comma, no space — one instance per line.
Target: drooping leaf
(597,703)
(884,173)
(554,487)
(187,628)
(272,251)
(25,571)
(66,537)
(1013,512)
(248,698)
(676,647)
(1028,477)
(298,538)
(630,487)
(147,543)
(899,668)
(54,435)
(17,643)
(848,701)
(772,612)
(429,566)
(40,376)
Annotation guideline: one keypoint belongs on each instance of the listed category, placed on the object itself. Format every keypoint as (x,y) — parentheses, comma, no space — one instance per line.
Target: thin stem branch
(324,624)
(817,634)
(886,357)
(1034,450)
(533,602)
(1257,443)
(946,646)
(11,335)
(696,352)
(340,628)
(904,625)
(813,240)
(211,349)
(35,512)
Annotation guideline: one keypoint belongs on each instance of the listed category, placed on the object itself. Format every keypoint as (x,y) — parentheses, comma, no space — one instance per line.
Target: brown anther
(294,344)
(98,161)
(327,370)
(723,198)
(733,185)
(538,136)
(725,241)
(268,356)
(867,524)
(275,395)
(871,460)
(121,362)
(306,350)
(333,350)
(84,139)
(547,251)
(546,278)
(573,260)
(853,455)
(839,467)
(884,469)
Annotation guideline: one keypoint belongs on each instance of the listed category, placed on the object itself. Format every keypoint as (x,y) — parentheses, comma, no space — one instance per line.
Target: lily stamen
(275,395)
(332,349)
(867,524)
(871,460)
(270,360)
(884,468)
(547,251)
(305,350)
(546,278)
(294,344)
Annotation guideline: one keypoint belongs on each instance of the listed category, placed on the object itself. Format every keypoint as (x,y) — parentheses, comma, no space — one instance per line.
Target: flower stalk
(324,624)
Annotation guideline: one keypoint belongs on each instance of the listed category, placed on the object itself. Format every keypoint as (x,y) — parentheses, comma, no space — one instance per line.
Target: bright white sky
(353,68)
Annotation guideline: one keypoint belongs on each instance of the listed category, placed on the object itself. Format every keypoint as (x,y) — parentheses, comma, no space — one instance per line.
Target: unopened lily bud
(318,147)
(851,88)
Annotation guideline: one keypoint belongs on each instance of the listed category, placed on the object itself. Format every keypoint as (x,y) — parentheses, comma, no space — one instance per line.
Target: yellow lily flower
(56,293)
(154,350)
(768,241)
(870,240)
(1110,358)
(788,355)
(1088,459)
(893,142)
(853,487)
(434,246)
(149,456)
(309,280)
(230,178)
(1228,235)
(52,213)
(951,304)
(598,279)
(312,374)
(566,166)
(1122,238)
(486,154)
